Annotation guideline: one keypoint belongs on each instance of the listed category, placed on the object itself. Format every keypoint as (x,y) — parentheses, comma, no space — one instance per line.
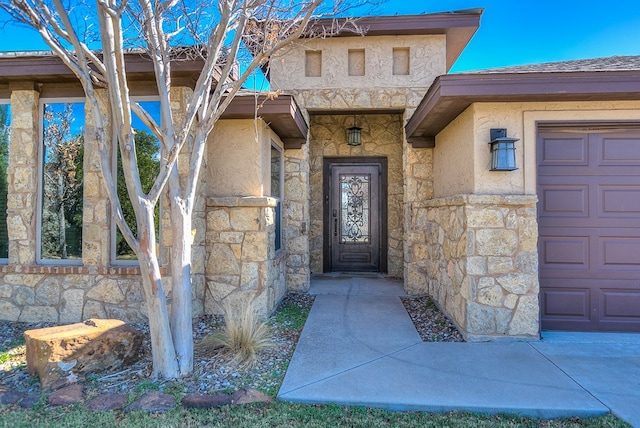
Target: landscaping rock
(29,400)
(106,402)
(247,396)
(10,397)
(59,354)
(206,401)
(153,402)
(69,395)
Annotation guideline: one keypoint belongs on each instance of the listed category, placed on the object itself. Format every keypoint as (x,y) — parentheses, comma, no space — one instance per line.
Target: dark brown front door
(354,215)
(589,229)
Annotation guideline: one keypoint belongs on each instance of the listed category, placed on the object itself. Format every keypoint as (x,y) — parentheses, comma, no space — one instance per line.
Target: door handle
(335,226)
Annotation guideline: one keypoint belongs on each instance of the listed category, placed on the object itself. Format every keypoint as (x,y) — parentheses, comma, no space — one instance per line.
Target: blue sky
(512,32)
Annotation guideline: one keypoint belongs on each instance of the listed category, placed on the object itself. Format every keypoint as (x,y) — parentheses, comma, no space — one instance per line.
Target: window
(148,155)
(61,177)
(5,133)
(276,192)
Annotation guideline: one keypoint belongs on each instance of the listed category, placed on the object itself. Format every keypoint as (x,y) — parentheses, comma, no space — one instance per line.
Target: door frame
(326,204)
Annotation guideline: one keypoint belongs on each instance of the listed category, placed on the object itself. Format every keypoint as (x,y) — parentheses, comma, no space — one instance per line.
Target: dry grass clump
(242,337)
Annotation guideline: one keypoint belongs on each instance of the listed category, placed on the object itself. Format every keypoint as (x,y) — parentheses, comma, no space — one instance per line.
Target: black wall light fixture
(503,150)
(354,134)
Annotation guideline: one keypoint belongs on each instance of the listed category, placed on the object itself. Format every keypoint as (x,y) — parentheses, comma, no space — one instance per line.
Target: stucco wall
(453,157)
(381,136)
(464,142)
(377,88)
(426,59)
(235,158)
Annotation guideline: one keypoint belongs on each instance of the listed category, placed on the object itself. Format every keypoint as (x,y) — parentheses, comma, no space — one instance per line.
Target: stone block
(59,354)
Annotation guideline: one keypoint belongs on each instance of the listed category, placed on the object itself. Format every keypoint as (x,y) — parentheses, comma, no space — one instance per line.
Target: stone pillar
(295,218)
(418,185)
(242,264)
(482,262)
(96,221)
(23,175)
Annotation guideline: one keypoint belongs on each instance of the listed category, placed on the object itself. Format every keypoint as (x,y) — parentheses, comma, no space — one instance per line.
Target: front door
(354,215)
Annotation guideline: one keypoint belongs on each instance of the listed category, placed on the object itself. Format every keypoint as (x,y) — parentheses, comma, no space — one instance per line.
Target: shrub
(241,338)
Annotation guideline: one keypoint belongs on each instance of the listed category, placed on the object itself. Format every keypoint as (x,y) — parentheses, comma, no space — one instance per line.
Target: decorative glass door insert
(353,217)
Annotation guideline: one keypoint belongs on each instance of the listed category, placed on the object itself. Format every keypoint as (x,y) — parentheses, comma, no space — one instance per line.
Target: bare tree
(217,34)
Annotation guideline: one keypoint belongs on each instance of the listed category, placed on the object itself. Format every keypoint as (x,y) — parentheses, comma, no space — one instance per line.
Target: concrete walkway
(359,348)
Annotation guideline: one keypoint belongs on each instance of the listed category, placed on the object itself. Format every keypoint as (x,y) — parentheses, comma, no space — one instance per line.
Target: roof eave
(282,114)
(450,95)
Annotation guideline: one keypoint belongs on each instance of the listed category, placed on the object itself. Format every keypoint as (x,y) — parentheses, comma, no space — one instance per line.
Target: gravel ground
(209,374)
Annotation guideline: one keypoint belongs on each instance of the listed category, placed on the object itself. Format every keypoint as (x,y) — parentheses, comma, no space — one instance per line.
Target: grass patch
(284,415)
(290,315)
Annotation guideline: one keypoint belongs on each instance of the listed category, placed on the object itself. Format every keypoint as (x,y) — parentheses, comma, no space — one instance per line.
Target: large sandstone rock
(58,355)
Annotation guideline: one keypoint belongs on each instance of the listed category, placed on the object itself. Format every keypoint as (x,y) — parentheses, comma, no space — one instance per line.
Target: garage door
(589,228)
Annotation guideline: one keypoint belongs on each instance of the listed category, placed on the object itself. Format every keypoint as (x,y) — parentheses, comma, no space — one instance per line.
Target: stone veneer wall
(242,264)
(65,294)
(61,293)
(295,218)
(382,135)
(478,259)
(418,179)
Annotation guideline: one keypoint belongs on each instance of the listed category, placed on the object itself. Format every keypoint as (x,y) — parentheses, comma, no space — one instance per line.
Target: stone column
(418,180)
(482,262)
(23,174)
(242,266)
(96,222)
(295,217)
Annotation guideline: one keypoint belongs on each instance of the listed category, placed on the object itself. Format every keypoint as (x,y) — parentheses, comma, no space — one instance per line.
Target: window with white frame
(148,156)
(276,191)
(61,177)
(5,134)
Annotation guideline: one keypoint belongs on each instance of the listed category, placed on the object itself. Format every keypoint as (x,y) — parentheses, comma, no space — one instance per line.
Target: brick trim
(77,270)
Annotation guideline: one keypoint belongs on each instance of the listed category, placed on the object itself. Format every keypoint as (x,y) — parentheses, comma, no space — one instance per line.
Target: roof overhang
(457,26)
(45,67)
(451,94)
(281,113)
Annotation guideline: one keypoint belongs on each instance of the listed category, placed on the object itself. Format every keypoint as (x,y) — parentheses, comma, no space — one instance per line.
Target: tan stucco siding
(462,157)
(453,165)
(426,61)
(236,156)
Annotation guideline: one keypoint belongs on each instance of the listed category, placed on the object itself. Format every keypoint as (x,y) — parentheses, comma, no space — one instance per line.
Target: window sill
(74,270)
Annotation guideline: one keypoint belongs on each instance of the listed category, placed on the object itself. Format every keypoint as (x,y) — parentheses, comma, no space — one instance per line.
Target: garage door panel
(564,252)
(618,150)
(619,200)
(564,201)
(589,230)
(620,253)
(620,305)
(564,150)
(566,303)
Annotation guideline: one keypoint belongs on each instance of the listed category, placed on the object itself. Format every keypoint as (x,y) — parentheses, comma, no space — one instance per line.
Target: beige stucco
(462,157)
(426,53)
(238,158)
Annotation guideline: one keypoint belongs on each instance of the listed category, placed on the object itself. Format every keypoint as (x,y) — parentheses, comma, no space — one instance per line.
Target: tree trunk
(165,363)
(181,307)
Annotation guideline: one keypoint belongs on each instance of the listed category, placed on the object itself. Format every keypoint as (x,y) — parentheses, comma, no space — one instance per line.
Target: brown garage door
(589,226)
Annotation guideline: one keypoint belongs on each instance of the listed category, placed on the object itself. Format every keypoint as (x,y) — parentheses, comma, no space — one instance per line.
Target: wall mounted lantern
(503,150)
(354,134)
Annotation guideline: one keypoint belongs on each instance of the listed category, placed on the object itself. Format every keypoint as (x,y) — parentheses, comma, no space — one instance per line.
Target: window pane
(5,131)
(354,202)
(61,215)
(276,174)
(148,154)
